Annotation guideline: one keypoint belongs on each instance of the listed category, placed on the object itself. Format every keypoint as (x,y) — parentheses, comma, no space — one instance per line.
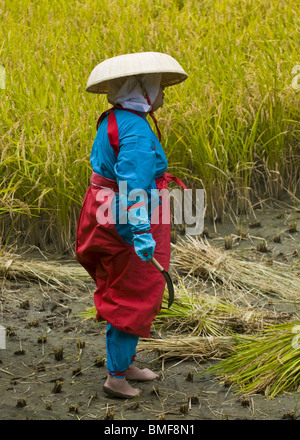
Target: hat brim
(113,69)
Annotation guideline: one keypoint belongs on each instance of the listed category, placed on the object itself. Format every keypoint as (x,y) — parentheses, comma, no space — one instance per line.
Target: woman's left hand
(144,245)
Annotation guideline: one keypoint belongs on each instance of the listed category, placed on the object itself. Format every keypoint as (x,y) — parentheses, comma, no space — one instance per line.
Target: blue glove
(144,245)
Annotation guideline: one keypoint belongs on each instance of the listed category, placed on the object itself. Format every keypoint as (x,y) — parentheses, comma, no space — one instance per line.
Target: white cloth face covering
(129,94)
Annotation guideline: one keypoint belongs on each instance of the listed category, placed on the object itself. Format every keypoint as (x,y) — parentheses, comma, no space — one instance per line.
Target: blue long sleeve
(141,159)
(135,171)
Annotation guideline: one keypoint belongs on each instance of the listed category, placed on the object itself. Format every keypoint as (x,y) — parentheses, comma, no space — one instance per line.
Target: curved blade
(168,281)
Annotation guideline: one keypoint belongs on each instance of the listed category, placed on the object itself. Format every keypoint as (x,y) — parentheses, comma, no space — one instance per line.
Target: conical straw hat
(141,63)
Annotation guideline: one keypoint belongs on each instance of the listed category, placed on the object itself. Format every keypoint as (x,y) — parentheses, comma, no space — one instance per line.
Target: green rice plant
(268,362)
(199,313)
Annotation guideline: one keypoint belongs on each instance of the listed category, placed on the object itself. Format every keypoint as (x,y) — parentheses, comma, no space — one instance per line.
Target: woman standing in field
(116,233)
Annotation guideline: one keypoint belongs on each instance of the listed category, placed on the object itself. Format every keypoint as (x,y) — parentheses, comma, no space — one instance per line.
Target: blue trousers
(121,350)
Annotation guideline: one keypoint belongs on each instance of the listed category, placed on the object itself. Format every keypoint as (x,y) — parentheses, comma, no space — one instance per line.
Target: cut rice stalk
(207,315)
(196,257)
(185,347)
(52,273)
(268,362)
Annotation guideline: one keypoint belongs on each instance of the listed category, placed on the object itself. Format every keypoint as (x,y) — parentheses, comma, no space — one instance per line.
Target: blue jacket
(140,161)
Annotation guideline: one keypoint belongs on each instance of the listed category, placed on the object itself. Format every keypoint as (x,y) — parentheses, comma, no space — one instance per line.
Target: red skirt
(129,291)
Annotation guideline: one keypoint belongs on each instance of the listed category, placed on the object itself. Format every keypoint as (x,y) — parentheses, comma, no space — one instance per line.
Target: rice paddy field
(228,348)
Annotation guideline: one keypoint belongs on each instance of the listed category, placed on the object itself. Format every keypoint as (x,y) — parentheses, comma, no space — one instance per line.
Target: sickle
(168,280)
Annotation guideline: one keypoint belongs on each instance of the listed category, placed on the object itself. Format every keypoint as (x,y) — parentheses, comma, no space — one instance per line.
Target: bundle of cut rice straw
(202,314)
(186,347)
(268,362)
(195,257)
(53,273)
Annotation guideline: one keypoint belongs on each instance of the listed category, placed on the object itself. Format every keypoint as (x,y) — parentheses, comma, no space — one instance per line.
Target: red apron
(129,291)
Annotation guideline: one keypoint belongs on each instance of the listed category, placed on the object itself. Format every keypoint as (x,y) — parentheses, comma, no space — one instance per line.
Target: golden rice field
(231,128)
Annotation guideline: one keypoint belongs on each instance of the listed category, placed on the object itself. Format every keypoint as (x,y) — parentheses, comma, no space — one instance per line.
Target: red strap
(166,178)
(142,232)
(104,114)
(113,132)
(112,126)
(169,177)
(117,373)
(134,206)
(151,113)
(130,110)
(100,182)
